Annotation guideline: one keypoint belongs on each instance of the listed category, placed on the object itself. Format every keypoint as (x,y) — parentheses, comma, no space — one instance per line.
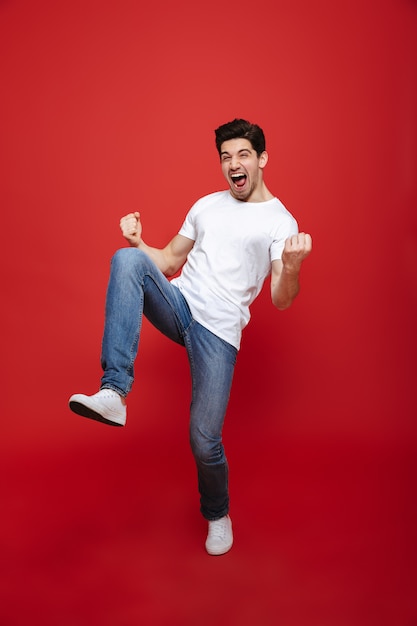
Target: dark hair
(241,129)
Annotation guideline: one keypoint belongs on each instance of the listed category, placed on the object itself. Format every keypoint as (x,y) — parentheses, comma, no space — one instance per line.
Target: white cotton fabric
(235,243)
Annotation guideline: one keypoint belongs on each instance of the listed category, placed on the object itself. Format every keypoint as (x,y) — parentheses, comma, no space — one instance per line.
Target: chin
(243,196)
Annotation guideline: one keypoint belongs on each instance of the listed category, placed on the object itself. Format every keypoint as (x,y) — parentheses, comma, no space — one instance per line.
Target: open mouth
(238,180)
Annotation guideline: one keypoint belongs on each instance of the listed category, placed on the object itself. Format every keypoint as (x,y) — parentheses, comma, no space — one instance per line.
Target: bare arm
(285,283)
(169,259)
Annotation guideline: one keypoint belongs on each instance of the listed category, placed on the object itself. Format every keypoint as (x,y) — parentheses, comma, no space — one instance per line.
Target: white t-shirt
(235,243)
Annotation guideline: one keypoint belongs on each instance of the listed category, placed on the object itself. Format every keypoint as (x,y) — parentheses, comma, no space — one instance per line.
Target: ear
(263,160)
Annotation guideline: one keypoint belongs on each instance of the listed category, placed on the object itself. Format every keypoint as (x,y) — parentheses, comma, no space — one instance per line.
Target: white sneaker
(104,406)
(220,536)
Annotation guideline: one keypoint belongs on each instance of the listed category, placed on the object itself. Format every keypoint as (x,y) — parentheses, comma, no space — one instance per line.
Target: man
(228,244)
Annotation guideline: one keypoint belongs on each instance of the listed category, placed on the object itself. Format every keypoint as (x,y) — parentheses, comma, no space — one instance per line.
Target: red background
(110,107)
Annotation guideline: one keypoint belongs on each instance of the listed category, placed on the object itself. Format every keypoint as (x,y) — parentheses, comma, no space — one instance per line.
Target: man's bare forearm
(286,289)
(157,255)
(168,259)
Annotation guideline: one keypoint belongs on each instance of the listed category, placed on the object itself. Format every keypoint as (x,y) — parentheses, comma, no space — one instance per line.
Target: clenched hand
(131,228)
(296,249)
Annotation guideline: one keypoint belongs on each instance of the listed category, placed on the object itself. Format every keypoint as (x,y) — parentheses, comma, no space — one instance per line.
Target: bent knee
(128,257)
(206,449)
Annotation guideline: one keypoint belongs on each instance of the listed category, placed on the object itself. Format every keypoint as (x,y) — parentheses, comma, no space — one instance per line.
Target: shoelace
(107,393)
(218,528)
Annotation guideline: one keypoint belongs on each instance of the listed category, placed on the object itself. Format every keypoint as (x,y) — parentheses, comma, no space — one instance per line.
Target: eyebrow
(239,151)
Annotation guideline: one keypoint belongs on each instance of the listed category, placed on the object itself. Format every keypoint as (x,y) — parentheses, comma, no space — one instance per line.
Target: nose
(234,163)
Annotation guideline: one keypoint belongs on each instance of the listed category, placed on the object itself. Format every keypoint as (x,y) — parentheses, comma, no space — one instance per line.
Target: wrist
(290,269)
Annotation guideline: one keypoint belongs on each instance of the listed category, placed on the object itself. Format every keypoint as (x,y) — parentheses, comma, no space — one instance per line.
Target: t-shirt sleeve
(287,227)
(188,228)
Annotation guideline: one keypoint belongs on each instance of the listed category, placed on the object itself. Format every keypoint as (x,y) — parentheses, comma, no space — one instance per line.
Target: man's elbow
(283,303)
(172,267)
(170,271)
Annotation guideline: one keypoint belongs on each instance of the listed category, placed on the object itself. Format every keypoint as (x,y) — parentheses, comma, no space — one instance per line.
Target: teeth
(237,175)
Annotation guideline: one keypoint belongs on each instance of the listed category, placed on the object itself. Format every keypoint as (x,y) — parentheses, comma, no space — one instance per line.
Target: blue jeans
(137,286)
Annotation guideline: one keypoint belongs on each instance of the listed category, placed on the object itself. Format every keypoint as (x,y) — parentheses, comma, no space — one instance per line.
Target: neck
(261,195)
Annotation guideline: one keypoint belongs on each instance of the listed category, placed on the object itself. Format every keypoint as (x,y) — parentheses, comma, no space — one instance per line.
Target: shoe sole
(219,552)
(84,411)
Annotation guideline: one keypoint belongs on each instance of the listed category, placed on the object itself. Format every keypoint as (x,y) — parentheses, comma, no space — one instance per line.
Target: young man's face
(242,168)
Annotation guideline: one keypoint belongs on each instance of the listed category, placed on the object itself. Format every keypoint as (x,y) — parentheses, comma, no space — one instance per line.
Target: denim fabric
(137,287)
